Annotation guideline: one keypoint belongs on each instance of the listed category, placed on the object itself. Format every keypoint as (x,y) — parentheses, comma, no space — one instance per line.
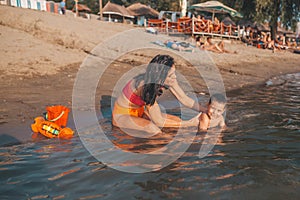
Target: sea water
(258,157)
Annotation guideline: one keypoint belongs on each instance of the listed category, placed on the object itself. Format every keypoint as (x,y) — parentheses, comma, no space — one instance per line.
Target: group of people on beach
(206,25)
(201,43)
(253,37)
(137,107)
(208,45)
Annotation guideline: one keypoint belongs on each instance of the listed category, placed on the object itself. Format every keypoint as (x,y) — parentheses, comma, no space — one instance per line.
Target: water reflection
(258,156)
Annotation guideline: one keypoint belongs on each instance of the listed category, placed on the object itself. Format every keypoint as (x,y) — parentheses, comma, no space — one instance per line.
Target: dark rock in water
(275,81)
(283,79)
(269,83)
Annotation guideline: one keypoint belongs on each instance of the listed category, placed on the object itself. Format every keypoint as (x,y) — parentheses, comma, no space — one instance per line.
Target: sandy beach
(42,52)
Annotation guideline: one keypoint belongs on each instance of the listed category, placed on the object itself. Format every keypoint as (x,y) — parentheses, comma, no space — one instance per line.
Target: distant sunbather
(199,43)
(177,46)
(217,48)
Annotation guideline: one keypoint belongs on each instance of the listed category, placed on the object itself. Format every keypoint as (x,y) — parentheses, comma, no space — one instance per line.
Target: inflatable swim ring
(50,129)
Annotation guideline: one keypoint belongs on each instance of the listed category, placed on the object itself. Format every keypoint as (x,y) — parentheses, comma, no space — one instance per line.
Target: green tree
(268,10)
(272,11)
(291,13)
(247,8)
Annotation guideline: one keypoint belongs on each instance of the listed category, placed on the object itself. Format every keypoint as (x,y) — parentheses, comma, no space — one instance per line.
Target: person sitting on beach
(216,25)
(253,37)
(137,108)
(217,48)
(199,43)
(214,115)
(245,34)
(201,24)
(280,42)
(269,43)
(177,46)
(291,43)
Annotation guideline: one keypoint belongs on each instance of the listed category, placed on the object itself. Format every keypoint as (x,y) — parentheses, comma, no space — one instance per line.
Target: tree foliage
(272,11)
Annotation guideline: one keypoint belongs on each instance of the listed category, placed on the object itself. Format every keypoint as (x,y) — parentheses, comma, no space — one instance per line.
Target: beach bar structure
(213,27)
(224,31)
(201,25)
(116,13)
(193,26)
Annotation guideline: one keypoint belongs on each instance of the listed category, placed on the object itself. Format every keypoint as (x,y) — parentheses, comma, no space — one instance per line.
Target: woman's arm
(166,120)
(184,99)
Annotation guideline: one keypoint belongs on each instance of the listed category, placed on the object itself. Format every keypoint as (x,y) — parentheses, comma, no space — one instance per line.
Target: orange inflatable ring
(50,129)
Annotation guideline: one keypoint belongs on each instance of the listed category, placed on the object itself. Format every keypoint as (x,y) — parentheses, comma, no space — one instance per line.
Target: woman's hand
(171,79)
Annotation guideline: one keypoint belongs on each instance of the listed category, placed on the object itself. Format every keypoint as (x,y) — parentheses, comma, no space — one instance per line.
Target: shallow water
(258,158)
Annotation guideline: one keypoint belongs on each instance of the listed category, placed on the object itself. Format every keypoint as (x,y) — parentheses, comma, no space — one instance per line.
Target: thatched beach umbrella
(139,9)
(82,8)
(115,9)
(215,7)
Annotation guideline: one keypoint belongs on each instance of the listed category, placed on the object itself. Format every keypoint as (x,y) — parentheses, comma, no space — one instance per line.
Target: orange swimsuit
(136,112)
(134,99)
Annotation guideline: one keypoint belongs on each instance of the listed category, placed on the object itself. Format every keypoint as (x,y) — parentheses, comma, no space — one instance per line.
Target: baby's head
(216,105)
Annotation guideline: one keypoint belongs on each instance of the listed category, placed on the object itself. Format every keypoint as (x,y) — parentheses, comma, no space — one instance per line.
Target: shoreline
(39,64)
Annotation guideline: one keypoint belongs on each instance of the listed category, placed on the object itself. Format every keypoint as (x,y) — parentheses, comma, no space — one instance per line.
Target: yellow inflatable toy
(51,129)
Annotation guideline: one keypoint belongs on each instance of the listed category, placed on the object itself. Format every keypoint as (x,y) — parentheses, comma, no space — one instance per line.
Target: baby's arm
(222,124)
(204,122)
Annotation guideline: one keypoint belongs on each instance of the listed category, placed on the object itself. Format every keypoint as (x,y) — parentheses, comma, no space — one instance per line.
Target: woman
(216,25)
(136,108)
(217,48)
(177,46)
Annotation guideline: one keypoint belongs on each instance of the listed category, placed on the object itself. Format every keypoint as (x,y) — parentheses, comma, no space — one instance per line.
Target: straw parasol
(111,8)
(138,9)
(82,8)
(215,7)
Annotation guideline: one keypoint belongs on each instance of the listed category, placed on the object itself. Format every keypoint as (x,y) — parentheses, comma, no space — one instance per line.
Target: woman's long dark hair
(154,78)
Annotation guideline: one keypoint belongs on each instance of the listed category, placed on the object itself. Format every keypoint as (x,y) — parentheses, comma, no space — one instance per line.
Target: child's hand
(204,122)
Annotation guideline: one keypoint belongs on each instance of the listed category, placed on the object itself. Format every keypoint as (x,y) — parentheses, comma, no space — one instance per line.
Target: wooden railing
(194,26)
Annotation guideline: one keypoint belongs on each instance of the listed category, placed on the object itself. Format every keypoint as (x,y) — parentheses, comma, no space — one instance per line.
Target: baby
(214,115)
